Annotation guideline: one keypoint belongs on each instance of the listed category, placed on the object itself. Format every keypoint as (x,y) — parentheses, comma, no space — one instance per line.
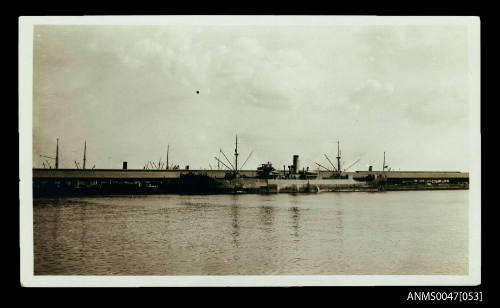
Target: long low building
(127,173)
(166,174)
(418,174)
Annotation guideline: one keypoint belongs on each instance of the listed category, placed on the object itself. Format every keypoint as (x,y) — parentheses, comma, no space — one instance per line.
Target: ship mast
(236,155)
(338,157)
(232,167)
(168,148)
(57,154)
(84,154)
(383,165)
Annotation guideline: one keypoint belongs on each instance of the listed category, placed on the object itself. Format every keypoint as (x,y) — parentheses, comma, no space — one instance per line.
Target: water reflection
(339,235)
(83,233)
(339,218)
(295,216)
(235,222)
(266,217)
(57,220)
(339,226)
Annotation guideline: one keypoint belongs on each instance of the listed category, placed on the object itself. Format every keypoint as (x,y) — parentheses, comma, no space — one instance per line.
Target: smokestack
(124,165)
(295,163)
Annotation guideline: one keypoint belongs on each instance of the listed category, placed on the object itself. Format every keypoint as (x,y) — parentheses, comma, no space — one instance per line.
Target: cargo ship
(266,179)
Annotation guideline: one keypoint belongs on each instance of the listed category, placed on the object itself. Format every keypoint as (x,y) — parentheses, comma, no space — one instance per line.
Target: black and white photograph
(249,150)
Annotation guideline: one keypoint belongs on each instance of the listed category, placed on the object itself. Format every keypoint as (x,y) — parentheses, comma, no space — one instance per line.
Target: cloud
(130,91)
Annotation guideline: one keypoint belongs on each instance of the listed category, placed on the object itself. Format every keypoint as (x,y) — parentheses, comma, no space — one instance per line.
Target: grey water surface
(396,233)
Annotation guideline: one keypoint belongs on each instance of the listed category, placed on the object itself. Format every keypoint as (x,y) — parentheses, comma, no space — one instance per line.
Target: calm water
(422,232)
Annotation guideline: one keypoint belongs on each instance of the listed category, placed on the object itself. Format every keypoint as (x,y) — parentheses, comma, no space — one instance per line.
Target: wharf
(129,181)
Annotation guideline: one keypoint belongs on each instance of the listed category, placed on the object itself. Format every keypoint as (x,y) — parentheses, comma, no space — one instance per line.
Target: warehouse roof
(419,174)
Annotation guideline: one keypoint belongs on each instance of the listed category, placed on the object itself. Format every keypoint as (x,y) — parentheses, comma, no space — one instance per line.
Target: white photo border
(27,277)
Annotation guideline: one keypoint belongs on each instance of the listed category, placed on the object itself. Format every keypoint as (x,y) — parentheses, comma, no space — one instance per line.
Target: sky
(130,91)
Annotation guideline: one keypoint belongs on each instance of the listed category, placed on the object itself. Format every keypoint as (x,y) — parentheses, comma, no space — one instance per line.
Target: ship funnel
(295,163)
